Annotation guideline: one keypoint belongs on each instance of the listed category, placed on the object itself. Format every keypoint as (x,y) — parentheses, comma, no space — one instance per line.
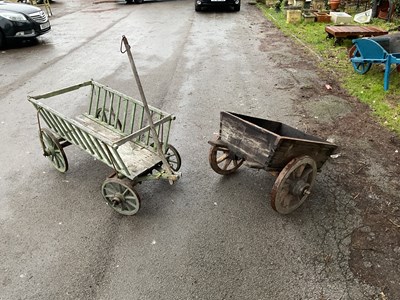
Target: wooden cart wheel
(121,196)
(293,185)
(53,150)
(359,67)
(103,118)
(173,158)
(223,161)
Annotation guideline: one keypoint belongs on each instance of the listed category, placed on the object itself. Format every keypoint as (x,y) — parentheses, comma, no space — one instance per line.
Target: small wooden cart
(128,135)
(274,147)
(114,129)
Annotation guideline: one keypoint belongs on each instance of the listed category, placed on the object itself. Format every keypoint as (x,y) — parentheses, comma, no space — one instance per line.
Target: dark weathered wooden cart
(274,147)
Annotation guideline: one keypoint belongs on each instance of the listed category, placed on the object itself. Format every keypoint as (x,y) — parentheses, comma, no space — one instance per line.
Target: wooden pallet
(340,32)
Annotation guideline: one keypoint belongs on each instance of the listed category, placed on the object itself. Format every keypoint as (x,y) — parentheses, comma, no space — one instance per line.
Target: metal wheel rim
(229,164)
(360,68)
(293,184)
(173,158)
(54,151)
(121,196)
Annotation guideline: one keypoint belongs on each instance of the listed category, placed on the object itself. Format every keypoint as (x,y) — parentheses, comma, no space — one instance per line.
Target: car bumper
(20,30)
(217,2)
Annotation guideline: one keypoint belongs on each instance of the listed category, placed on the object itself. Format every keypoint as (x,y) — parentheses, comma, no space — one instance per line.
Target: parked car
(135,1)
(199,4)
(21,21)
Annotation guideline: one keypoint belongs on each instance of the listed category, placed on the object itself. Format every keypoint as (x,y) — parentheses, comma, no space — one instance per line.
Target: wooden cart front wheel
(53,150)
(222,161)
(121,196)
(173,158)
(294,184)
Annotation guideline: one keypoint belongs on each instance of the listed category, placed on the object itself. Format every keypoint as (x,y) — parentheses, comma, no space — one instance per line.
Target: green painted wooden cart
(115,129)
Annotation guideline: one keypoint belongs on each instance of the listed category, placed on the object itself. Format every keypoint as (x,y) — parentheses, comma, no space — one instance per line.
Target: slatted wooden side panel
(287,149)
(125,115)
(271,144)
(247,140)
(85,140)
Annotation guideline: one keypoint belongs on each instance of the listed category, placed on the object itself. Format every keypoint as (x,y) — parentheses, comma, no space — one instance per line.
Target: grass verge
(368,88)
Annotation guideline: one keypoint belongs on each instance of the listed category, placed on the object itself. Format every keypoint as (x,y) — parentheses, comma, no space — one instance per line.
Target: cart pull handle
(124,40)
(146,106)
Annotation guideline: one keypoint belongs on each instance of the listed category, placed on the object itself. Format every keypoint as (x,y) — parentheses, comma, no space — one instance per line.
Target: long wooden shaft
(146,107)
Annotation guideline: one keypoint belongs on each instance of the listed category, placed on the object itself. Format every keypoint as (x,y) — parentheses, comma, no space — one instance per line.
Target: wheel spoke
(227,163)
(109,196)
(299,171)
(58,161)
(284,195)
(306,174)
(131,205)
(124,192)
(109,188)
(47,140)
(290,200)
(222,158)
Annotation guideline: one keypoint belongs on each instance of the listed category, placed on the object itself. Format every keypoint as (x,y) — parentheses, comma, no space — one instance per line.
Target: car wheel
(129,1)
(236,7)
(2,40)
(197,7)
(138,1)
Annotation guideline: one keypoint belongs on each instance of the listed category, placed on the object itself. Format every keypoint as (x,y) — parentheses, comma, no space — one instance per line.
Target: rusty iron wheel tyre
(222,161)
(173,158)
(294,184)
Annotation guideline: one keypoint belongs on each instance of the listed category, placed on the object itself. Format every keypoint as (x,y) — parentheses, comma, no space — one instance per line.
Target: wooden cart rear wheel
(294,184)
(223,161)
(120,195)
(53,150)
(173,158)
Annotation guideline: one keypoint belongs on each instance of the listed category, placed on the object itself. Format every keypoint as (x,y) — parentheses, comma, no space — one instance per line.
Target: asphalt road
(206,237)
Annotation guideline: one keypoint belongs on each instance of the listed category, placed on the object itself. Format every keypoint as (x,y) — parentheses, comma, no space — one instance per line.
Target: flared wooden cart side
(268,143)
(114,130)
(273,146)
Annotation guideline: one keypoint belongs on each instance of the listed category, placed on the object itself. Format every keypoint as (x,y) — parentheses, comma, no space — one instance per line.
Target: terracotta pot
(334,4)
